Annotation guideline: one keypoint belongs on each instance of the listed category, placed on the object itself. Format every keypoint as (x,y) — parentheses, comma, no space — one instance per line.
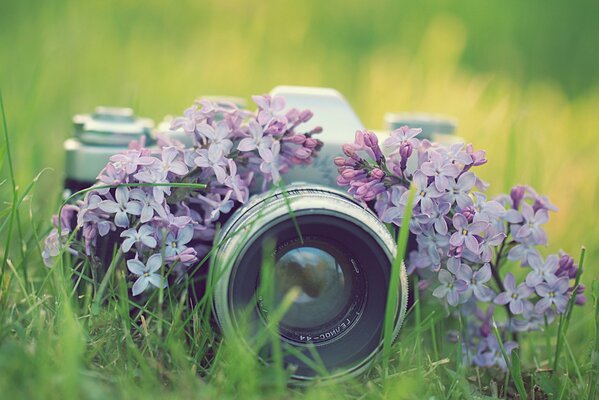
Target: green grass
(521,79)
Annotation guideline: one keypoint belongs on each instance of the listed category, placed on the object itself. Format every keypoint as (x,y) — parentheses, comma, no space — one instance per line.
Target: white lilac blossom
(144,236)
(463,238)
(146,274)
(155,225)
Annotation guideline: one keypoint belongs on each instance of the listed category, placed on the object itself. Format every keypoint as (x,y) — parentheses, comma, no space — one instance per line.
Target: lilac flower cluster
(463,239)
(163,230)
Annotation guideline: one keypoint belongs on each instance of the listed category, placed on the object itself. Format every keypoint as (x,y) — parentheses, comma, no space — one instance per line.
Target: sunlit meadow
(521,79)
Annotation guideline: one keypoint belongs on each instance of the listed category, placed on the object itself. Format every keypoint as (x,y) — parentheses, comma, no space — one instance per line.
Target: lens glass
(321,273)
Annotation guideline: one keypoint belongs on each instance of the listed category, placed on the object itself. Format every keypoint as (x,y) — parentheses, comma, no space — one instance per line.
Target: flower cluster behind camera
(463,238)
(162,229)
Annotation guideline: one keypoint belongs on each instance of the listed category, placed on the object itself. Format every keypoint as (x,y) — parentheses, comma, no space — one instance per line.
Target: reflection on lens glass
(320,272)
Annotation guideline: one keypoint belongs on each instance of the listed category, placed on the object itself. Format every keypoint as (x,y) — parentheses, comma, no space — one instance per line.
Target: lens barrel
(334,253)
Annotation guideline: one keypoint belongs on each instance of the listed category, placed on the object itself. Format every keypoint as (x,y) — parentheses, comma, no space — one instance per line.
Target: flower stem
(499,282)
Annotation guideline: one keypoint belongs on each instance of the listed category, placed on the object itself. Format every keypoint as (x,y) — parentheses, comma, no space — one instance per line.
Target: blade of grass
(565,318)
(393,293)
(13,187)
(513,365)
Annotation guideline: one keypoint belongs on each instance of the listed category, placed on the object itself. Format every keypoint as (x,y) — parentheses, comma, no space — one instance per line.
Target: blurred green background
(521,77)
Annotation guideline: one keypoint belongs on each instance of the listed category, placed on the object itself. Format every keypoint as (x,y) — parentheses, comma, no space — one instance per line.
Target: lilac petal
(220,173)
(122,194)
(265,153)
(536,262)
(445,277)
(103,227)
(109,206)
(185,235)
(453,297)
(541,216)
(154,263)
(391,214)
(136,267)
(459,221)
(472,244)
(463,200)
(560,303)
(502,298)
(157,280)
(484,274)
(127,244)
(170,251)
(179,168)
(561,286)
(464,272)
(483,293)
(513,216)
(533,279)
(457,239)
(134,208)
(542,305)
(140,285)
(527,211)
(539,236)
(466,181)
(149,241)
(542,289)
(451,171)
(524,291)
(428,168)
(441,183)
(145,230)
(441,226)
(510,282)
(440,291)
(121,219)
(453,266)
(246,144)
(516,306)
(460,286)
(477,227)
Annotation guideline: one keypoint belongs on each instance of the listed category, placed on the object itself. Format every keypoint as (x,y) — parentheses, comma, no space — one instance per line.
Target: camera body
(335,255)
(109,130)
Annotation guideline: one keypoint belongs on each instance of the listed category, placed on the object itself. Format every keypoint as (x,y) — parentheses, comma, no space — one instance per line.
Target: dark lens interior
(330,285)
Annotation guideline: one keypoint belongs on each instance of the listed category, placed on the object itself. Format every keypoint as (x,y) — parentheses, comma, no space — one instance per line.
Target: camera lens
(331,289)
(337,257)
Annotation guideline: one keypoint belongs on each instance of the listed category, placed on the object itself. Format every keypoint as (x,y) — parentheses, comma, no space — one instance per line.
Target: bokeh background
(521,78)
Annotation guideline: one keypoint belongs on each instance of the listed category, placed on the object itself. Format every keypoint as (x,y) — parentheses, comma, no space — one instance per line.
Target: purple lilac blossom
(182,219)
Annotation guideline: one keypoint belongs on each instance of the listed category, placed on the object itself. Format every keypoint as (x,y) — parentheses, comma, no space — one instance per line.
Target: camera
(331,250)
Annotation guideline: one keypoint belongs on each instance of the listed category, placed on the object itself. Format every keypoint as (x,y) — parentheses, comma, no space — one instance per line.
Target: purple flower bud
(339,161)
(311,143)
(302,153)
(349,151)
(469,213)
(485,330)
(305,115)
(372,142)
(350,173)
(297,139)
(566,267)
(517,194)
(377,173)
(478,157)
(405,150)
(580,300)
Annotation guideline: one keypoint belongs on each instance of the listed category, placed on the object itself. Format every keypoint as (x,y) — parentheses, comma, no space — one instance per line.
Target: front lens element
(331,288)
